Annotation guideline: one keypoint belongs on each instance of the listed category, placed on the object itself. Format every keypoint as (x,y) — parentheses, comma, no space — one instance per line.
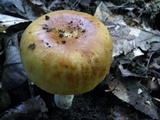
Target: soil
(94,105)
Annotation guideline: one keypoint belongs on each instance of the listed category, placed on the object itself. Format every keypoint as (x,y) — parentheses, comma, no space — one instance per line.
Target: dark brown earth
(94,105)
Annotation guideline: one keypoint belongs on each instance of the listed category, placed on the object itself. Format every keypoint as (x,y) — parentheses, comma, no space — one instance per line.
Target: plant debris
(12,65)
(32,46)
(133,84)
(28,107)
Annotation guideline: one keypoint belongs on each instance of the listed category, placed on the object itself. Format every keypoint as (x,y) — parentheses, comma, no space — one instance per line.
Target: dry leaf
(13,73)
(131,91)
(125,38)
(7,21)
(29,106)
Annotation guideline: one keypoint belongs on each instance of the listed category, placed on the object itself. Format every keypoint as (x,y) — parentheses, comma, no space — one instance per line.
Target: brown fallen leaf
(12,64)
(131,91)
(28,107)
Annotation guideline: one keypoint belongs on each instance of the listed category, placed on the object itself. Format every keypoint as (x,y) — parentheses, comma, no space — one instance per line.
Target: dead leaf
(29,106)
(7,21)
(5,100)
(23,8)
(13,73)
(127,73)
(131,91)
(125,38)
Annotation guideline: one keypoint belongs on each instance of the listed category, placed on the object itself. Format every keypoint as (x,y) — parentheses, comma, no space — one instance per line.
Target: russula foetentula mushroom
(65,53)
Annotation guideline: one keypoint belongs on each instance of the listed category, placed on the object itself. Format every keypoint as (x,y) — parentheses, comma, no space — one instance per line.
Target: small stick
(157,99)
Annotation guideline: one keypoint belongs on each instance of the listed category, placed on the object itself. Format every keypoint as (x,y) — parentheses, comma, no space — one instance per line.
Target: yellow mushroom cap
(66,52)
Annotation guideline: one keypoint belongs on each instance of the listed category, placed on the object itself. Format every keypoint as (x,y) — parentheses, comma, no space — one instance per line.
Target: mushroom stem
(63,101)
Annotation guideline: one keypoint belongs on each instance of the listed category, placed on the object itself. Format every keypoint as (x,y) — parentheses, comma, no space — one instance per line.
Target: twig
(157,99)
(108,90)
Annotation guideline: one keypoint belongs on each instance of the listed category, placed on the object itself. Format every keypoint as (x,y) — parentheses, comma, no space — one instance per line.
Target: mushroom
(65,53)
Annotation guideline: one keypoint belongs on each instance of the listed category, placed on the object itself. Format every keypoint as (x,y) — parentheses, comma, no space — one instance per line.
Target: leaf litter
(27,108)
(136,62)
(132,60)
(12,65)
